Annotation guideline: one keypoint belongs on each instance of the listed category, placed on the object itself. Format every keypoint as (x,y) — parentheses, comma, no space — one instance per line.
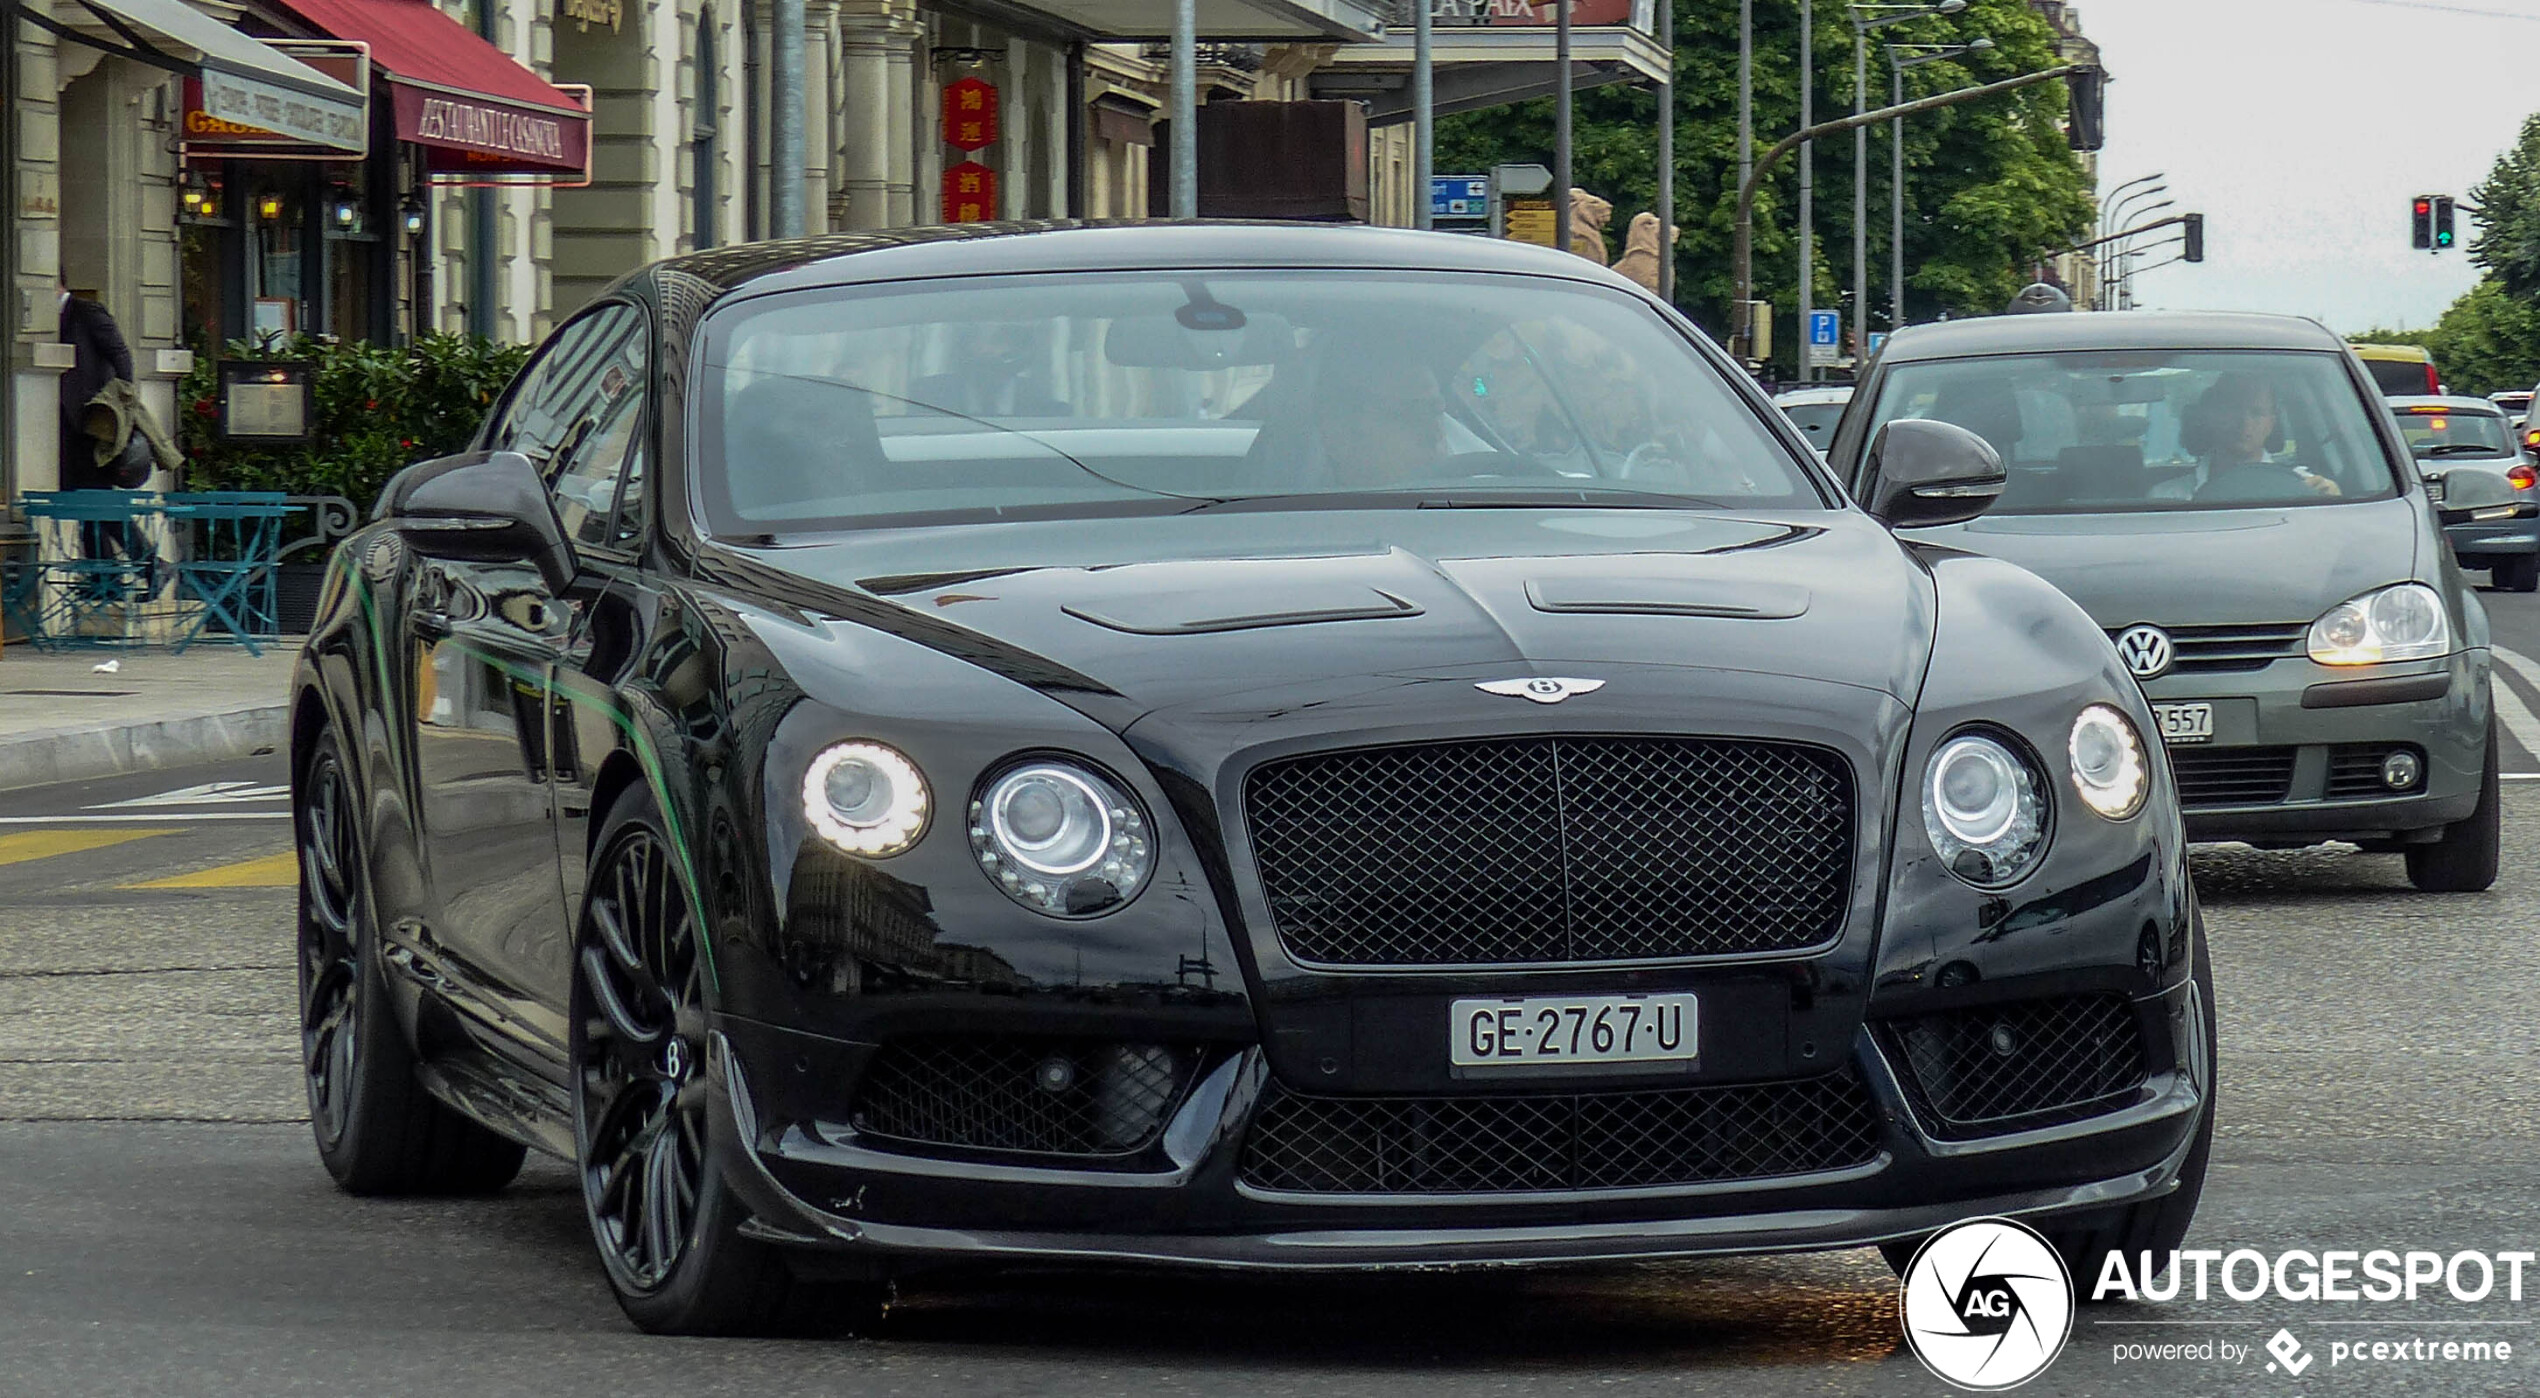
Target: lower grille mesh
(1044,1096)
(2242,776)
(2002,1068)
(1614,1140)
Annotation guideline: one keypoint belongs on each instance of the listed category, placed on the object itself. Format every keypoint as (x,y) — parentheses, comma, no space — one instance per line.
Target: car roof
(2412,354)
(2106,330)
(2453,403)
(842,259)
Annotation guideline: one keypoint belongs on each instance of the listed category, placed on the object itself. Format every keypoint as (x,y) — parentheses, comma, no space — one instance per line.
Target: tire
(2465,859)
(377,1130)
(663,1217)
(2156,1226)
(2520,573)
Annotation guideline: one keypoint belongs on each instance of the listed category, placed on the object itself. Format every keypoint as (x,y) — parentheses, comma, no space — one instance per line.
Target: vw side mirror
(1925,473)
(2472,491)
(483,507)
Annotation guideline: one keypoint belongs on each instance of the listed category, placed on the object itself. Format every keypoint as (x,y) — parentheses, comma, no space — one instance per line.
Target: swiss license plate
(2185,723)
(1557,1029)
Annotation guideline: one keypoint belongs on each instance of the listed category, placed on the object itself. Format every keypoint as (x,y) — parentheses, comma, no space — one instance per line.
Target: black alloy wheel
(641,1117)
(377,1130)
(666,1224)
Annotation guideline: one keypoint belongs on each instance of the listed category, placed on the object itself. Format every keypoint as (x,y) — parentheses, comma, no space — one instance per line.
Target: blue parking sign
(1825,328)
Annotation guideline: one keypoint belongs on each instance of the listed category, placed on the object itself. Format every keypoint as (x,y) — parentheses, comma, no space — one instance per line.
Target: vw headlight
(2405,621)
(1061,839)
(2107,762)
(865,798)
(1984,811)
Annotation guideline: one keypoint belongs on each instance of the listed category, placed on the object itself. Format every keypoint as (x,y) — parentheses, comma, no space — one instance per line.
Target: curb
(54,755)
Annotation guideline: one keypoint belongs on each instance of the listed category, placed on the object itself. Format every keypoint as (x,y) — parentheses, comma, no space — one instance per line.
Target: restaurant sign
(225,129)
(477,134)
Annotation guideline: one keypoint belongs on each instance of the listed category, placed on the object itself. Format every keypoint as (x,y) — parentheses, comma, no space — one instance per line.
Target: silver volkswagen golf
(2228,497)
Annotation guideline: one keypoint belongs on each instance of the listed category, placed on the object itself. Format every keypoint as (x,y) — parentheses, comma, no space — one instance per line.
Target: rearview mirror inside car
(1924,473)
(482,507)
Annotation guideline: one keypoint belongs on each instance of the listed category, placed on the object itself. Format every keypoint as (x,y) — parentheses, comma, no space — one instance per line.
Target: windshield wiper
(1448,500)
(2466,449)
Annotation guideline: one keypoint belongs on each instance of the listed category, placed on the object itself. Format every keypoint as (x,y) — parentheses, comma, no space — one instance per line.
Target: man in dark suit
(98,357)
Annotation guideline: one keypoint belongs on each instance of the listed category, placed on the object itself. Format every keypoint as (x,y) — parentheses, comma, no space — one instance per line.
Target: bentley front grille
(1538,1143)
(1041,1096)
(1553,850)
(2014,1067)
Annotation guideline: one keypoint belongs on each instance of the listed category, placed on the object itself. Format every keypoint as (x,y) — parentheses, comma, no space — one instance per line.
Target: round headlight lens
(1983,811)
(2404,621)
(1061,839)
(865,798)
(2109,773)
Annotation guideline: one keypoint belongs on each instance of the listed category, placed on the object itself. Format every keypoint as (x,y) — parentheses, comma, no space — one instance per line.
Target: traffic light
(2086,125)
(2442,222)
(2194,226)
(2424,236)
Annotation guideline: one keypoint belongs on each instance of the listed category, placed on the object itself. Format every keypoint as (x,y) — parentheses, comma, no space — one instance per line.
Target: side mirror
(1925,473)
(484,507)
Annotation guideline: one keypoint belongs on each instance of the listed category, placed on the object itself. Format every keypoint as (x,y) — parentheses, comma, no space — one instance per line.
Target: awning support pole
(785,154)
(1424,115)
(1185,115)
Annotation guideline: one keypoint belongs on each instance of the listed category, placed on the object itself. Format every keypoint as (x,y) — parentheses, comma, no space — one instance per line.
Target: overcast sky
(2302,129)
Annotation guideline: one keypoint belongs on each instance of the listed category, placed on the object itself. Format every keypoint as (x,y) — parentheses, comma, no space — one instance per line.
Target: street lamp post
(2121,212)
(1807,183)
(1925,53)
(1866,18)
(1423,114)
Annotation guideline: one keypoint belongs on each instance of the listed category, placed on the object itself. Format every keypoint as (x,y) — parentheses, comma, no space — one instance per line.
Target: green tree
(2508,243)
(2487,340)
(1990,186)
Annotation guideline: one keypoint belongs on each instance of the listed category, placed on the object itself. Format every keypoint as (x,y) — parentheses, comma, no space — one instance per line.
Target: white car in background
(1815,410)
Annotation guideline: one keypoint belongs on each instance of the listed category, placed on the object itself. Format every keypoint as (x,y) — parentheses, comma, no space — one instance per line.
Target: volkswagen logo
(1987,1304)
(2145,650)
(1543,689)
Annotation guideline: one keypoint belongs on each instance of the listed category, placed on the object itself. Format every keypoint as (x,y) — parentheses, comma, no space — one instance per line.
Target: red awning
(469,104)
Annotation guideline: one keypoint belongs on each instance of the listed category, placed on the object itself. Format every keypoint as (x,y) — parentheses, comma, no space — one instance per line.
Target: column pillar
(878,104)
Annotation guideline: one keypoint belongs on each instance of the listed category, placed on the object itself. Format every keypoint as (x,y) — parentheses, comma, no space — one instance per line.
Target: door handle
(431,623)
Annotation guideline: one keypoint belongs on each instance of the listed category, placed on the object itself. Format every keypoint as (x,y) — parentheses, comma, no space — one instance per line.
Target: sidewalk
(61,721)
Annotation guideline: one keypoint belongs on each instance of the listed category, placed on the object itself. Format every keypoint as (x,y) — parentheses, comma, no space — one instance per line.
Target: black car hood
(2205,567)
(1125,617)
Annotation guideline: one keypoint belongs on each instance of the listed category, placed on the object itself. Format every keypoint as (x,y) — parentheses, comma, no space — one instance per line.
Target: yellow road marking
(271,871)
(45,844)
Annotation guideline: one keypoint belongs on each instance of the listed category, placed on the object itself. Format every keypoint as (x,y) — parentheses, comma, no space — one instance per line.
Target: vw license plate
(1556,1029)
(2185,723)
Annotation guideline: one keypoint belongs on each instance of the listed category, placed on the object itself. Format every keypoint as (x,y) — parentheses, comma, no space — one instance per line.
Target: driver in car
(2234,430)
(1381,423)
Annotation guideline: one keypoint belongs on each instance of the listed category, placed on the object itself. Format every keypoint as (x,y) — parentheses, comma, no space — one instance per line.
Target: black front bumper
(816,1184)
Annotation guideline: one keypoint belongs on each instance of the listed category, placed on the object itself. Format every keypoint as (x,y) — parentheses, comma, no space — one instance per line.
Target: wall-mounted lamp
(269,207)
(412,210)
(197,196)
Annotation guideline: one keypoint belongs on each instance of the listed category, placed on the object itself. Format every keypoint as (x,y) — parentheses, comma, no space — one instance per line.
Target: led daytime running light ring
(901,822)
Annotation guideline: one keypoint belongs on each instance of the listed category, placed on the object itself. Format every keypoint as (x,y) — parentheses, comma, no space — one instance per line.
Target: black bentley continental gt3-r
(1219,746)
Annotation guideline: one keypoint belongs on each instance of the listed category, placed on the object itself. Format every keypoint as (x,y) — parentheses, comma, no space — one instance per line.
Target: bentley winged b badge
(1543,689)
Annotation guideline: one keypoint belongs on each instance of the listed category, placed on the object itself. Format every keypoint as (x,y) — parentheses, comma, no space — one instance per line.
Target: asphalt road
(167,1229)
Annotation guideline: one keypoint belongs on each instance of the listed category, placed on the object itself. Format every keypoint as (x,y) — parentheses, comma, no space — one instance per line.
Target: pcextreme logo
(1987,1305)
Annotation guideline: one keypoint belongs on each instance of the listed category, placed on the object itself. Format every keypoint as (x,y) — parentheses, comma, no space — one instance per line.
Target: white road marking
(208,793)
(161,819)
(2509,706)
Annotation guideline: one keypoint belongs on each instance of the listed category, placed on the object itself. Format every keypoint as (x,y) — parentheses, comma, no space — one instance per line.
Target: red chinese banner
(970,114)
(970,193)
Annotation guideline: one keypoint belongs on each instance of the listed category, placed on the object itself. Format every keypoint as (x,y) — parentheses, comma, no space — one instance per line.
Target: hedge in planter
(378,409)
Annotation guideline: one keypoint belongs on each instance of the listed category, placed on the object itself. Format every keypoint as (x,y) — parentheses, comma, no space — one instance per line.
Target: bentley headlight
(1061,839)
(2108,769)
(2405,621)
(865,798)
(1984,811)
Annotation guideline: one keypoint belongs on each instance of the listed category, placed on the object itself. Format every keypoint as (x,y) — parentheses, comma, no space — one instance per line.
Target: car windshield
(2401,376)
(2133,430)
(1111,393)
(1816,421)
(2446,432)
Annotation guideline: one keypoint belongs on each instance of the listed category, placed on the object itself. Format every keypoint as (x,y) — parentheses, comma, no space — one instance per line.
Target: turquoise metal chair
(97,567)
(232,542)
